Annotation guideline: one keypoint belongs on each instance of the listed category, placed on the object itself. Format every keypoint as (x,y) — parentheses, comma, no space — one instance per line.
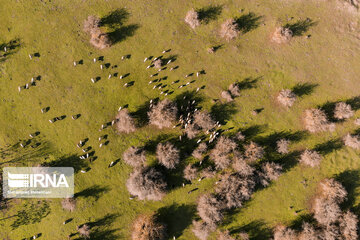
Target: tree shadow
(302,89)
(185,99)
(329,108)
(300,27)
(354,102)
(247,83)
(298,222)
(177,218)
(123,33)
(251,132)
(248,22)
(329,146)
(95,192)
(68,161)
(350,179)
(109,234)
(115,18)
(150,145)
(209,13)
(257,230)
(104,221)
(222,112)
(31,213)
(11,48)
(269,141)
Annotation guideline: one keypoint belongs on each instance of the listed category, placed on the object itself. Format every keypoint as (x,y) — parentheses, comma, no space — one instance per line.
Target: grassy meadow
(320,63)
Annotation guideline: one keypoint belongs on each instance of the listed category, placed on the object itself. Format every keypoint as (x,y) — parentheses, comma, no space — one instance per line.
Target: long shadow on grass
(329,146)
(300,27)
(350,179)
(176,217)
(256,230)
(209,13)
(68,161)
(329,107)
(31,213)
(94,191)
(11,48)
(223,112)
(303,89)
(248,22)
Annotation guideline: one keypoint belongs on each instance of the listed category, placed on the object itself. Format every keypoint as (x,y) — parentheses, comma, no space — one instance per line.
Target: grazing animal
(30,56)
(94,60)
(101,67)
(119,109)
(145,59)
(109,76)
(74,64)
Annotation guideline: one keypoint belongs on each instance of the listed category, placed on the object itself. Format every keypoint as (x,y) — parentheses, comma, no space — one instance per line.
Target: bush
(234,189)
(192,18)
(224,146)
(201,230)
(229,30)
(134,156)
(146,227)
(283,233)
(167,155)
(253,152)
(163,114)
(316,121)
(241,167)
(269,172)
(310,158)
(282,146)
(124,122)
(146,183)
(210,210)
(282,35)
(352,141)
(227,96)
(286,97)
(84,231)
(68,204)
(343,111)
(199,151)
(190,172)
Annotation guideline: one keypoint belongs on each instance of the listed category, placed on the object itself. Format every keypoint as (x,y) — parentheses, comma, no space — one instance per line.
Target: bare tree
(269,172)
(349,226)
(282,146)
(253,152)
(310,158)
(201,229)
(99,39)
(167,155)
(192,18)
(239,136)
(241,166)
(234,90)
(208,172)
(326,211)
(224,146)
(91,24)
(124,122)
(283,233)
(343,111)
(84,231)
(190,172)
(352,141)
(199,151)
(68,204)
(286,97)
(158,63)
(147,227)
(163,114)
(282,35)
(234,189)
(204,120)
(227,96)
(146,183)
(357,121)
(308,232)
(316,121)
(210,210)
(332,189)
(134,156)
(229,30)
(225,235)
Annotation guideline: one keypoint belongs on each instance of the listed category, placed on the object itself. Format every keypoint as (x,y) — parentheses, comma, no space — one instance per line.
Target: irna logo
(37,180)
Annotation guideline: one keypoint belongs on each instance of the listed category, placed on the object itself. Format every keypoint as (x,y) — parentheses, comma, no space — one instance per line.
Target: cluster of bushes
(98,38)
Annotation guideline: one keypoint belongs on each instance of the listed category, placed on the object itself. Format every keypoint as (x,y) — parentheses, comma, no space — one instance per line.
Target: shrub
(269,172)
(229,30)
(282,35)
(167,155)
(227,96)
(343,111)
(146,183)
(163,114)
(158,63)
(234,90)
(234,189)
(316,121)
(224,146)
(210,210)
(283,233)
(124,122)
(352,141)
(134,156)
(68,204)
(333,190)
(146,227)
(98,38)
(92,24)
(201,230)
(253,152)
(326,211)
(192,18)
(84,231)
(190,172)
(241,167)
(282,146)
(199,151)
(286,97)
(348,226)
(310,158)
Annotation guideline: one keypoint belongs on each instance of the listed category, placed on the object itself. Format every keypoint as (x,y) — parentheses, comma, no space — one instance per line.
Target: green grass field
(324,67)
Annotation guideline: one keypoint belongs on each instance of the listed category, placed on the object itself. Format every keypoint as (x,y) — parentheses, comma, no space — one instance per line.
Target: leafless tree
(147,227)
(349,226)
(269,172)
(91,24)
(234,90)
(343,111)
(282,146)
(190,172)
(158,63)
(210,210)
(192,18)
(357,121)
(227,96)
(201,229)
(220,154)
(225,235)
(241,166)
(326,211)
(134,156)
(316,121)
(99,39)
(308,232)
(84,231)
(124,122)
(229,30)
(146,183)
(352,141)
(163,114)
(331,189)
(167,155)
(239,136)
(199,151)
(68,204)
(286,97)
(310,158)
(253,152)
(208,172)
(283,233)
(204,120)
